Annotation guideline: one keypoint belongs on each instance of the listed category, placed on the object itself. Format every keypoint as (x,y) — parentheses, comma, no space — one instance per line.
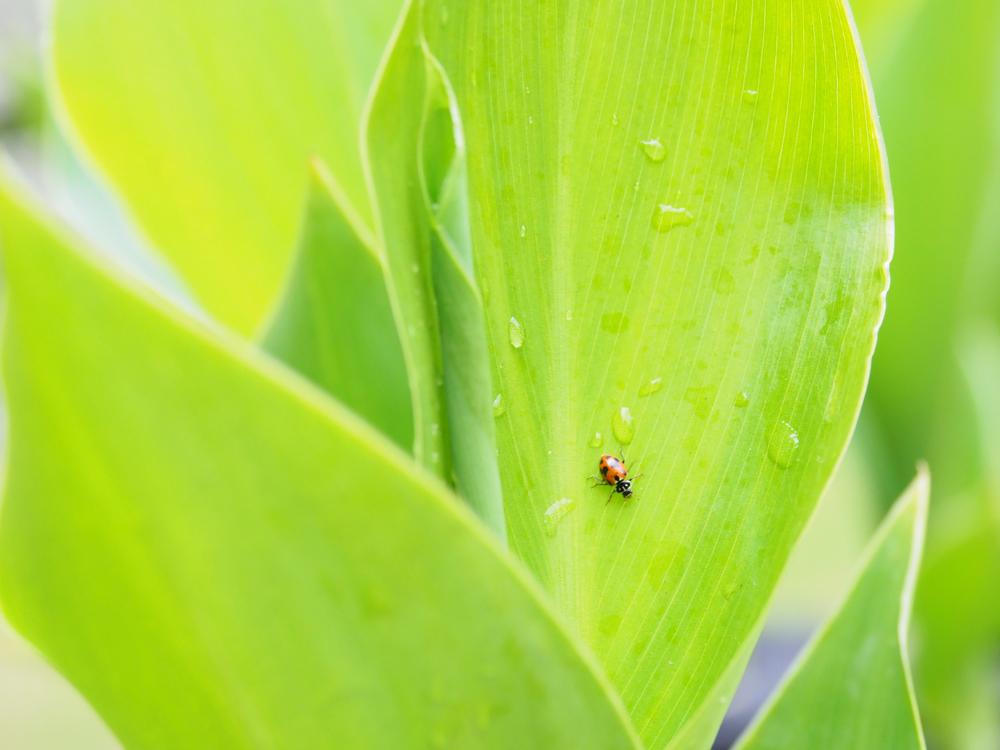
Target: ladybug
(614,472)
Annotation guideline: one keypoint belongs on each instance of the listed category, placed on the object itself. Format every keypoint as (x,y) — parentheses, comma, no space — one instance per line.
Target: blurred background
(934,393)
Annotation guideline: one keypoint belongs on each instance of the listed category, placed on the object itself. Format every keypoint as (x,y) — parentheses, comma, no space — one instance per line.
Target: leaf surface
(217,555)
(204,117)
(852,688)
(680,229)
(334,323)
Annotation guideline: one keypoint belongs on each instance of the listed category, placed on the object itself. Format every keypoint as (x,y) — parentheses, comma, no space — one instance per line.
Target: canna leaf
(218,555)
(334,323)
(680,226)
(204,117)
(851,687)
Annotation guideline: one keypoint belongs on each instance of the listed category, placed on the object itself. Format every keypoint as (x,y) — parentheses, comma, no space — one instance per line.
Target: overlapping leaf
(217,555)
(204,116)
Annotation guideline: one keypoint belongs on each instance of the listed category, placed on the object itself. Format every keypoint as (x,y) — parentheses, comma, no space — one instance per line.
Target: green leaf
(680,212)
(419,182)
(217,555)
(851,687)
(204,115)
(334,323)
(937,89)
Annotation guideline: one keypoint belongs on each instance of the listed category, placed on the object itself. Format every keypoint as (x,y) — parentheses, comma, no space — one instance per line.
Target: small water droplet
(701,399)
(527,89)
(742,400)
(651,387)
(614,118)
(515,332)
(555,514)
(750,96)
(666,217)
(444,15)
(523,231)
(435,428)
(596,440)
(622,425)
(531,120)
(415,268)
(655,150)
(782,444)
(569,315)
(498,406)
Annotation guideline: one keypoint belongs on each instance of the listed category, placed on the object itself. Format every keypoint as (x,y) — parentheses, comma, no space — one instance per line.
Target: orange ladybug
(614,472)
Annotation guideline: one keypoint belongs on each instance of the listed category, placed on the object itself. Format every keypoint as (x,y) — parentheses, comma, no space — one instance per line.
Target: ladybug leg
(610,496)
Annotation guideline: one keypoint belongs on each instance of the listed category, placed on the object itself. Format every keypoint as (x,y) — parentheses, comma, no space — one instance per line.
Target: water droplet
(614,322)
(569,315)
(614,118)
(415,268)
(555,514)
(742,400)
(750,96)
(498,406)
(724,282)
(622,425)
(531,120)
(648,389)
(523,231)
(666,217)
(782,444)
(596,440)
(655,150)
(435,428)
(516,333)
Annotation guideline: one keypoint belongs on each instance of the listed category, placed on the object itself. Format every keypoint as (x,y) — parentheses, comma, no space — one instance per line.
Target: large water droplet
(596,440)
(651,387)
(742,400)
(622,425)
(655,150)
(555,514)
(498,406)
(666,217)
(782,444)
(515,332)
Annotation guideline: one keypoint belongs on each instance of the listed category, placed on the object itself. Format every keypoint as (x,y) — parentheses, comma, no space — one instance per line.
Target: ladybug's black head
(624,486)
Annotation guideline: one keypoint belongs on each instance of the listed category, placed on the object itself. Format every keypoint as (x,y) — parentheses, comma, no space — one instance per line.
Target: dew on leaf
(666,217)
(782,444)
(498,406)
(651,386)
(723,282)
(555,514)
(750,96)
(523,231)
(622,425)
(596,440)
(614,322)
(515,332)
(653,149)
(742,400)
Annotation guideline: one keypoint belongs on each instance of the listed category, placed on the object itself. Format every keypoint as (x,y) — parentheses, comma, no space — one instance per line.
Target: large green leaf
(679,216)
(204,115)
(851,688)
(334,323)
(219,556)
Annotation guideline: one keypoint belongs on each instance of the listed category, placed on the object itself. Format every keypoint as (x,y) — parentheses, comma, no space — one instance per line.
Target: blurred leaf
(334,324)
(218,556)
(851,687)
(679,212)
(204,115)
(938,93)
